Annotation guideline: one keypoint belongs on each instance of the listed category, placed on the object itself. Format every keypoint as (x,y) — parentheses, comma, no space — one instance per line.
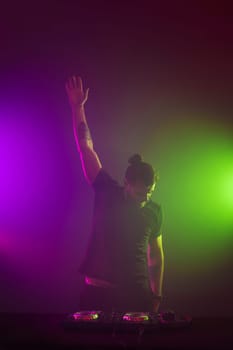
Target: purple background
(142,63)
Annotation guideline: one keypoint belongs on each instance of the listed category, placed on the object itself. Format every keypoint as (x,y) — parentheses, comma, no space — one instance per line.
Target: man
(124,264)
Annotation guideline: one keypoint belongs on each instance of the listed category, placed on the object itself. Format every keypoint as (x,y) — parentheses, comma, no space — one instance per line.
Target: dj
(123,266)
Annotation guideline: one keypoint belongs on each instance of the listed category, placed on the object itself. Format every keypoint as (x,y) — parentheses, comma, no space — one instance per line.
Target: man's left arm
(155,258)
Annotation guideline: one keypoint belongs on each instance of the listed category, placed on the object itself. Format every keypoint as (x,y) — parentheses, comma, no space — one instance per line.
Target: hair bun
(135,159)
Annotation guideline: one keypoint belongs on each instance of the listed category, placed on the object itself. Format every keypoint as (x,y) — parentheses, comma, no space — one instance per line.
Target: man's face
(139,192)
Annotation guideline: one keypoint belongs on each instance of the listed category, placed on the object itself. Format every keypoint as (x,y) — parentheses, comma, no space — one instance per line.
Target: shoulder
(154,208)
(154,215)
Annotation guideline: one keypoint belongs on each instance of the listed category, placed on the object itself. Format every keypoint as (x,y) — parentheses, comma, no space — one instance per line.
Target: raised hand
(74,88)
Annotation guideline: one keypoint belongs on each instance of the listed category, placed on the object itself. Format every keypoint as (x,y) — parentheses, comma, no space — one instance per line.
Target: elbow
(90,164)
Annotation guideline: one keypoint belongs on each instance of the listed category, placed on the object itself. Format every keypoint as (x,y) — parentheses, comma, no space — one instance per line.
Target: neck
(130,199)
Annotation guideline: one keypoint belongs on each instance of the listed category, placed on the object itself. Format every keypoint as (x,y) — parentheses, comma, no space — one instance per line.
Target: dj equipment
(125,321)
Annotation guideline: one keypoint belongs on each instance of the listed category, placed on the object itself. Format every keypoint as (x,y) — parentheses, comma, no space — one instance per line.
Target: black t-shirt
(117,250)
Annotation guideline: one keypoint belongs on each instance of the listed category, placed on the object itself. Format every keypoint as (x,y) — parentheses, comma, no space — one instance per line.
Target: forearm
(89,159)
(156,272)
(77,97)
(81,130)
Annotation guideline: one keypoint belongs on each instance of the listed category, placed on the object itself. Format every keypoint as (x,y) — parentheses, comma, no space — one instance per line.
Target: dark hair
(140,171)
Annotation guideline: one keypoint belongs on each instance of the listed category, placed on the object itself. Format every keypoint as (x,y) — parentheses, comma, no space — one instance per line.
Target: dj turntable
(125,321)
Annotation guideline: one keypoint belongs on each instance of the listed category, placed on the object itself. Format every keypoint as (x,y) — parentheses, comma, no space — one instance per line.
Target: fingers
(74,82)
(79,83)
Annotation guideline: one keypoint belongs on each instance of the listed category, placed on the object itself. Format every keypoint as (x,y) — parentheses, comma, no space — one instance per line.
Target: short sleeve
(103,181)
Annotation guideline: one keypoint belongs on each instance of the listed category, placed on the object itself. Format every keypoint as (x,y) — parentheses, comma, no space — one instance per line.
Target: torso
(117,251)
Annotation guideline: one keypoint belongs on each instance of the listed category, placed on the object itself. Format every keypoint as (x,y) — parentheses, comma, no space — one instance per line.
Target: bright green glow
(195,161)
(228,188)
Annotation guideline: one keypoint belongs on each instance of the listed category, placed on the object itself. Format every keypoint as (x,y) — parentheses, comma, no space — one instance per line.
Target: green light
(228,188)
(195,162)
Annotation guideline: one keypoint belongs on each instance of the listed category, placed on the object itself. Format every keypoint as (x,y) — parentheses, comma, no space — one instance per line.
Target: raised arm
(77,97)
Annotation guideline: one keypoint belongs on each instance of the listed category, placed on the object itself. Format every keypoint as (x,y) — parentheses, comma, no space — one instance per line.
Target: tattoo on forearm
(83,132)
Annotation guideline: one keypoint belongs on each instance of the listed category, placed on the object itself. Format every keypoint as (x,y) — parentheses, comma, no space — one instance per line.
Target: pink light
(5,243)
